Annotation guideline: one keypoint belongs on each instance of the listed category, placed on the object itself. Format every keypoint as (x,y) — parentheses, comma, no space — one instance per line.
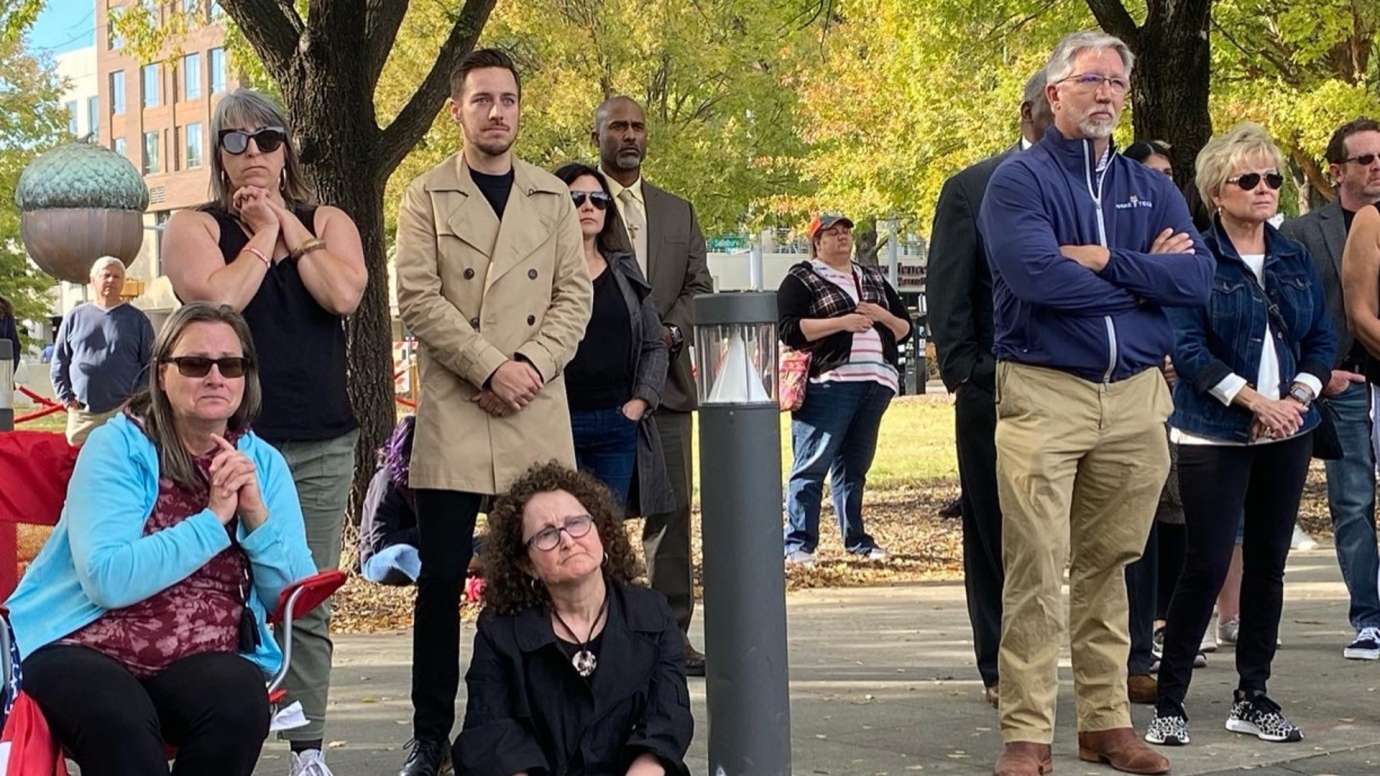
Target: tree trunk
(1169,85)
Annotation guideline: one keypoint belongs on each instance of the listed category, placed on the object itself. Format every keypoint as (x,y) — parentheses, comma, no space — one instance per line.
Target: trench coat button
(531,273)
(469,273)
(474,323)
(531,320)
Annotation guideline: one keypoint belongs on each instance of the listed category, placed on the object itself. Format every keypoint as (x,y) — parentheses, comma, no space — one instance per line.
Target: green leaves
(31,121)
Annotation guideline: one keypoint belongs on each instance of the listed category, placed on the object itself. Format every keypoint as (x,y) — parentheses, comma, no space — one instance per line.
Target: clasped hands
(1095,257)
(510,388)
(235,487)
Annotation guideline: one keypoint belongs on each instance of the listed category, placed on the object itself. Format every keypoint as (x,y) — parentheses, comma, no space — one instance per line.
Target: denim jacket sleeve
(1193,360)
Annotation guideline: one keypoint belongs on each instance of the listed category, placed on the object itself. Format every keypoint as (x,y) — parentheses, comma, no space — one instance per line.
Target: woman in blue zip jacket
(1250,365)
(142,621)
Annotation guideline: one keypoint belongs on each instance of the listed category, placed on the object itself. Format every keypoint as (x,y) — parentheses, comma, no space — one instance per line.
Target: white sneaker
(1365,647)
(801,558)
(1301,540)
(309,763)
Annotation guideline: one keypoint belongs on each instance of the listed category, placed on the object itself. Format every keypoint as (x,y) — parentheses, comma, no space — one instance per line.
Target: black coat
(528,710)
(958,282)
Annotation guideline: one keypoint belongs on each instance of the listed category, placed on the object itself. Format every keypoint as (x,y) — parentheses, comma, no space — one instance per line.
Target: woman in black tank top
(295,270)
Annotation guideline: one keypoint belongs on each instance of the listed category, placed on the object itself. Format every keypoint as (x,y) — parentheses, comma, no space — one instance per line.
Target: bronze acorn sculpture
(79,202)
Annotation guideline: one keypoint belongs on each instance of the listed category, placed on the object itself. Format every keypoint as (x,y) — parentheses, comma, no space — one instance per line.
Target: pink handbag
(793,378)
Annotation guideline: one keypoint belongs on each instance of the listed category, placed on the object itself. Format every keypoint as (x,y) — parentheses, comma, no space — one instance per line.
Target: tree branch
(416,117)
(272,27)
(1113,17)
(382,18)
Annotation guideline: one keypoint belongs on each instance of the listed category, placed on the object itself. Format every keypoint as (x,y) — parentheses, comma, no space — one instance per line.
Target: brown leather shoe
(1024,758)
(993,695)
(1142,689)
(1122,749)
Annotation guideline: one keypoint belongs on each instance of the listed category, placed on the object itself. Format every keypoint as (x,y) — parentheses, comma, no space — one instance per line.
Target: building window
(117,92)
(72,126)
(119,146)
(192,145)
(113,39)
(217,56)
(150,152)
(150,81)
(191,77)
(216,10)
(93,116)
(190,7)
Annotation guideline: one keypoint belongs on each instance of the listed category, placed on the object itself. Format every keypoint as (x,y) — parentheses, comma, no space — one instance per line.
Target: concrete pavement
(882,683)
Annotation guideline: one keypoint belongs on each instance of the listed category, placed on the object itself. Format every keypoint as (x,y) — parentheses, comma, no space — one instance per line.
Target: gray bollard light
(6,385)
(747,679)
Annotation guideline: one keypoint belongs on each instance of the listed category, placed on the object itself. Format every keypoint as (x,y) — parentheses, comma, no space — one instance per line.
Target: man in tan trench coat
(492,281)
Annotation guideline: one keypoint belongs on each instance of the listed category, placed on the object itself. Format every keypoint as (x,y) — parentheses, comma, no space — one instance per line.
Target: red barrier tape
(44,400)
(40,414)
(404,402)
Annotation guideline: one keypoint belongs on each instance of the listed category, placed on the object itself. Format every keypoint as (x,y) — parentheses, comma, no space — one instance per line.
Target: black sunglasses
(598,199)
(1250,180)
(236,141)
(200,366)
(1364,159)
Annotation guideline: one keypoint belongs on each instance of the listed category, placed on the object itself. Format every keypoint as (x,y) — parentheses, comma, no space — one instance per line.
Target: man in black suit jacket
(959,296)
(1351,478)
(670,249)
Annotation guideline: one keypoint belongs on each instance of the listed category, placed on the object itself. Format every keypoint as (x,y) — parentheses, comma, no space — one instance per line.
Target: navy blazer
(528,710)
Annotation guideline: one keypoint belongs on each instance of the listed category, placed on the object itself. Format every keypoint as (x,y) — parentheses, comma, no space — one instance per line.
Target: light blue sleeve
(277,549)
(108,503)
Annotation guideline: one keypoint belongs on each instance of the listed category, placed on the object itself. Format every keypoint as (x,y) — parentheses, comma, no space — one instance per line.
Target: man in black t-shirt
(1353,156)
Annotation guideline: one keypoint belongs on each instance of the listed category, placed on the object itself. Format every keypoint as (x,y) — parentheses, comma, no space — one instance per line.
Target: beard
(1096,128)
(627,159)
(493,146)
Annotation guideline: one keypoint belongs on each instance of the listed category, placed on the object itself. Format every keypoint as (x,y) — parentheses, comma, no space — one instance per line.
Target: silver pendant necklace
(584,660)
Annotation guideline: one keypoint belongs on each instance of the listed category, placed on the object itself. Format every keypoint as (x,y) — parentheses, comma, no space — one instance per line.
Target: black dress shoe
(428,758)
(694,661)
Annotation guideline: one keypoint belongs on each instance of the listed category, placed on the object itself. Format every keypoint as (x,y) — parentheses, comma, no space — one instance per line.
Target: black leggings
(1218,484)
(212,707)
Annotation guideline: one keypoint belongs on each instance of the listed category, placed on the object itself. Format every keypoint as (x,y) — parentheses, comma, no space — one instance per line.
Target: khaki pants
(322,472)
(83,422)
(1079,471)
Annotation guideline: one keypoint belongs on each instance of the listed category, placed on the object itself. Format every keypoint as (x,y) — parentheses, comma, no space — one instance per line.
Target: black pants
(1218,483)
(1141,589)
(975,416)
(212,707)
(445,535)
(1170,539)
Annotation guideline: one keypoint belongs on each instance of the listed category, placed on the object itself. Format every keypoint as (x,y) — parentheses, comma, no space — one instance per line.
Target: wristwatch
(1301,393)
(677,338)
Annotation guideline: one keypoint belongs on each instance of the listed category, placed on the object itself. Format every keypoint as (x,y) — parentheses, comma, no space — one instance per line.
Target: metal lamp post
(740,494)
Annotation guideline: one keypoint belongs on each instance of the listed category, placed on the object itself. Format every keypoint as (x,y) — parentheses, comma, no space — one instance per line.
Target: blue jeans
(834,432)
(1351,500)
(606,446)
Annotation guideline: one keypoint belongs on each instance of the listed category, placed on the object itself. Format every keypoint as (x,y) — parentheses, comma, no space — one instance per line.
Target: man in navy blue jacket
(1086,250)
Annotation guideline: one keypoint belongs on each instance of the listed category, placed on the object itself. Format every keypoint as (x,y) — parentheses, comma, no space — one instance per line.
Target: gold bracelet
(314,244)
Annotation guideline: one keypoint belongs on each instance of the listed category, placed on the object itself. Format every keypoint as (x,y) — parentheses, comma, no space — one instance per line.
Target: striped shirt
(866,360)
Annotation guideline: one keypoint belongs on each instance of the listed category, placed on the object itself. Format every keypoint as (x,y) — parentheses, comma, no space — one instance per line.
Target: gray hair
(246,107)
(152,408)
(1060,65)
(1034,96)
(102,263)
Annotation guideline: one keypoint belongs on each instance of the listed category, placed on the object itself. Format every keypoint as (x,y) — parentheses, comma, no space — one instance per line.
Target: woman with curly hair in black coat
(576,670)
